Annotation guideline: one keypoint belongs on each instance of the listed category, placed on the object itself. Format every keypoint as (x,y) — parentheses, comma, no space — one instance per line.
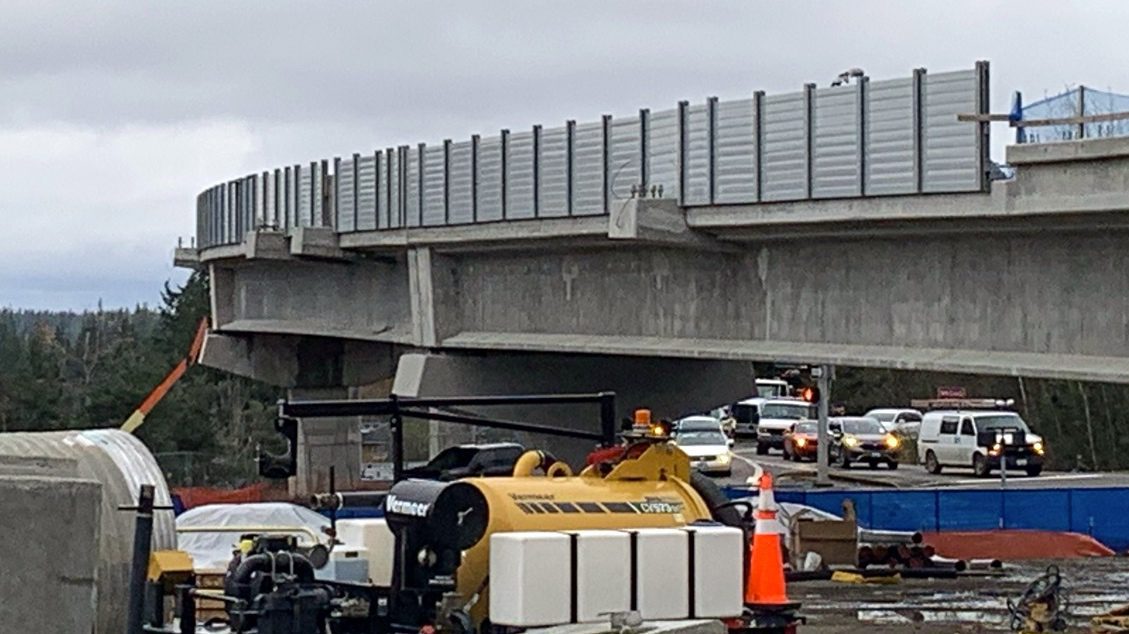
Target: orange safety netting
(192,497)
(1011,545)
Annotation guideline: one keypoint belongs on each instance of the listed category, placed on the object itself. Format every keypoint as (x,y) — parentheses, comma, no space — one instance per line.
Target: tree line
(66,370)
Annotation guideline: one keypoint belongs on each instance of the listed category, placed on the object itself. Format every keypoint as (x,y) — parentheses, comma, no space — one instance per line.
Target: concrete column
(222,281)
(325,442)
(433,296)
(422,293)
(669,387)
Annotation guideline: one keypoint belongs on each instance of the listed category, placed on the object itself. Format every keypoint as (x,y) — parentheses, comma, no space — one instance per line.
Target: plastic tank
(461,516)
(121,463)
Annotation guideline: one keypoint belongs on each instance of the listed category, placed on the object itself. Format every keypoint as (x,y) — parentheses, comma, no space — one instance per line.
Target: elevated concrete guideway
(1029,278)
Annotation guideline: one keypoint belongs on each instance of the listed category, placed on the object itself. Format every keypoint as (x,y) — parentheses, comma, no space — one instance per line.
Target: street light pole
(823,375)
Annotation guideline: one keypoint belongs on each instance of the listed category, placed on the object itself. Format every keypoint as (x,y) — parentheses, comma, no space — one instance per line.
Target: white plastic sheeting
(212,551)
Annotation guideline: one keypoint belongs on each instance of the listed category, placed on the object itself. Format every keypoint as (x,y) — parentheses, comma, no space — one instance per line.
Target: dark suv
(496,459)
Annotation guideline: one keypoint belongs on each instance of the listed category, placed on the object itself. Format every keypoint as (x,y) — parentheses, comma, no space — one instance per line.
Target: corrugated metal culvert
(121,463)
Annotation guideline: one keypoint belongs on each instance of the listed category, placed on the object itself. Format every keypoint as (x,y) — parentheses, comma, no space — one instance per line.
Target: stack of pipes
(907,550)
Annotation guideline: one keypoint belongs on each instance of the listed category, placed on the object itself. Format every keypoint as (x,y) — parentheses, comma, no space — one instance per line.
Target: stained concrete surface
(702,626)
(49,554)
(965,604)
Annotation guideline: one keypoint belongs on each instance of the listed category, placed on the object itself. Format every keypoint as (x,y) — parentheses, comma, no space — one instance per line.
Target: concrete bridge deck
(1028,278)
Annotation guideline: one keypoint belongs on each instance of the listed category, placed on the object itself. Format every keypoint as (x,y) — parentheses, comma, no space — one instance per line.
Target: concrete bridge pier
(313,368)
(669,387)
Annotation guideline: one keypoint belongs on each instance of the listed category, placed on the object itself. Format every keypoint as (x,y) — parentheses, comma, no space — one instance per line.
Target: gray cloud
(115,114)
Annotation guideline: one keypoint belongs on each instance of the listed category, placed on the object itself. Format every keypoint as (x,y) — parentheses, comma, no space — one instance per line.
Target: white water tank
(121,463)
(373,535)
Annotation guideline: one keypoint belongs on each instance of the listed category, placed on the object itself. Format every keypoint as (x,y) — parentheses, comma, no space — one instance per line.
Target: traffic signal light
(810,394)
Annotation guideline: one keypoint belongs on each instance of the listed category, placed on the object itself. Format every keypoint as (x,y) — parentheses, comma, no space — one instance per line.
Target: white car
(701,438)
(903,420)
(980,439)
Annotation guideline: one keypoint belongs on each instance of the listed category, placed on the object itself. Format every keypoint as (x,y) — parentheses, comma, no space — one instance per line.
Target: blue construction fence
(1102,513)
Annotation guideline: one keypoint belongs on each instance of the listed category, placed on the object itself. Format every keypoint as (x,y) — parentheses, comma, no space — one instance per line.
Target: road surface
(907,476)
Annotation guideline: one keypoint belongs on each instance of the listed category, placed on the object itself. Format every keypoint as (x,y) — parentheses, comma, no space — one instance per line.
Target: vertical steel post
(336,209)
(919,129)
(984,138)
(396,423)
(683,149)
(822,478)
(1001,441)
(421,149)
(142,546)
(758,141)
(570,148)
(862,86)
(474,142)
(644,150)
(711,137)
(607,156)
(446,182)
(504,142)
(377,166)
(1081,111)
(809,137)
(607,418)
(537,171)
(356,191)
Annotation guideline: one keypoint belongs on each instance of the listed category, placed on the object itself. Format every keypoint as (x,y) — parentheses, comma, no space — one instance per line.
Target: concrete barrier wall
(49,554)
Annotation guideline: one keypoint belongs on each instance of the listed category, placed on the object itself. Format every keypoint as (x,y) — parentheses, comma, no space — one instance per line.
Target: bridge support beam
(669,387)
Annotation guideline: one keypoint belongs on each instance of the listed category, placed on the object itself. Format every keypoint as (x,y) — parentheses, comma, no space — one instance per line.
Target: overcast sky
(114,115)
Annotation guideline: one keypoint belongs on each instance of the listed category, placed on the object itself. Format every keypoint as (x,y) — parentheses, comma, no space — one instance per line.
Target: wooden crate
(209,608)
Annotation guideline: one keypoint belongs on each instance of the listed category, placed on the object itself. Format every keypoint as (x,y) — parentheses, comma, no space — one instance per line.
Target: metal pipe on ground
(985,564)
(890,537)
(796,576)
(958,565)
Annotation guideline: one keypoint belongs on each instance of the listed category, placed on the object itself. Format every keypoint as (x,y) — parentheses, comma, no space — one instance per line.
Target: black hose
(716,500)
(237,584)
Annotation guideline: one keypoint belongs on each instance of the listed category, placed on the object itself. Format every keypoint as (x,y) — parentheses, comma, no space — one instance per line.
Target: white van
(773,388)
(769,418)
(972,439)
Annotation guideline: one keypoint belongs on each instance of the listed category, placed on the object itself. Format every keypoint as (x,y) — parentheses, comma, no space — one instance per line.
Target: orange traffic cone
(765,586)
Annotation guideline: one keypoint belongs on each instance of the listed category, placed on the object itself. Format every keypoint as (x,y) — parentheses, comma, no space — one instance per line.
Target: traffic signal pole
(823,435)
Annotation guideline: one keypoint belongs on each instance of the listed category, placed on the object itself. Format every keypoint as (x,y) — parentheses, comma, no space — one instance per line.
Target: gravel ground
(966,604)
